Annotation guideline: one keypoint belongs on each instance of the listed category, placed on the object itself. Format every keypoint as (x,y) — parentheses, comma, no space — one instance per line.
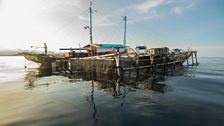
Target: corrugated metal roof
(112,45)
(106,45)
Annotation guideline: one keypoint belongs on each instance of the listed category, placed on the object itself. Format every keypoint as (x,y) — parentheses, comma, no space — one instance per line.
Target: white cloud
(148,5)
(102,20)
(151,9)
(192,3)
(153,14)
(178,10)
(32,21)
(160,7)
(182,7)
(83,18)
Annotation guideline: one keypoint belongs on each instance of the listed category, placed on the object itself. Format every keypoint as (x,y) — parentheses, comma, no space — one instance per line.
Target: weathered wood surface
(109,64)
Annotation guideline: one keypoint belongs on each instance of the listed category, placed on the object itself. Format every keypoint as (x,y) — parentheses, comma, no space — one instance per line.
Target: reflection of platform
(33,74)
(147,78)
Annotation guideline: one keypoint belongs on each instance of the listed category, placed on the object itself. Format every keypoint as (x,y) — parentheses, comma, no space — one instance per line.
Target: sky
(195,24)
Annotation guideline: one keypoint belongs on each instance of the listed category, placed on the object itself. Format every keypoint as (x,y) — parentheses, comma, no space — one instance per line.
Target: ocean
(191,96)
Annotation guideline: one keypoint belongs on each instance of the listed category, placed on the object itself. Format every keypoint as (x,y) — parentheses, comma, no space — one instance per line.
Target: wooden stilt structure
(108,64)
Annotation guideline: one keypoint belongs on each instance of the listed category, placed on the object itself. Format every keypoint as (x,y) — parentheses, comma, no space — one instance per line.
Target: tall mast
(90,24)
(125,27)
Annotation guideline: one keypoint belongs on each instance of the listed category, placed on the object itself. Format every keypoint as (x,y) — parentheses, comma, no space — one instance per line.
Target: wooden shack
(103,49)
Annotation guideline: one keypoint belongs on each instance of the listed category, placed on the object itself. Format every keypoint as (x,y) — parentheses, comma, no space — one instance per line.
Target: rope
(113,33)
(68,23)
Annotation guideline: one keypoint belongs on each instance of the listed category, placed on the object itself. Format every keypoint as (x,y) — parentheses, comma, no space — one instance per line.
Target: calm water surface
(193,97)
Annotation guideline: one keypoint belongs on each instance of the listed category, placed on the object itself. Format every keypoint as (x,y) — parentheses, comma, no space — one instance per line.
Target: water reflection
(132,81)
(93,103)
(124,95)
(147,79)
(33,74)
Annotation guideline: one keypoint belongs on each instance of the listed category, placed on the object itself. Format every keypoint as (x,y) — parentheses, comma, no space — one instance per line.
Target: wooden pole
(152,59)
(90,27)
(196,58)
(117,88)
(117,60)
(187,61)
(165,63)
(137,70)
(45,48)
(69,65)
(192,58)
(125,27)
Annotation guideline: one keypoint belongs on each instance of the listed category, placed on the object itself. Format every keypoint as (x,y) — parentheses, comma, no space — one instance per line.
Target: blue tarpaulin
(112,46)
(140,47)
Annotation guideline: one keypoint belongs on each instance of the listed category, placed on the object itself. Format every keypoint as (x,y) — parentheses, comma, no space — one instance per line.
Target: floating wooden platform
(116,64)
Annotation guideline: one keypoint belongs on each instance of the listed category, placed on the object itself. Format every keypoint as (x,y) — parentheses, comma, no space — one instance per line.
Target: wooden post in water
(69,65)
(196,58)
(165,63)
(117,60)
(152,59)
(119,72)
(173,62)
(192,58)
(187,62)
(137,70)
(117,88)
(45,48)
